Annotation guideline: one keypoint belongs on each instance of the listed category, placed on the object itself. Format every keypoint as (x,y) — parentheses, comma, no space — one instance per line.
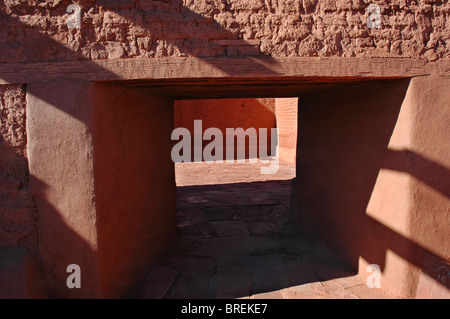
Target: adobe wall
(227,113)
(215,40)
(372,176)
(17,208)
(99,158)
(37,31)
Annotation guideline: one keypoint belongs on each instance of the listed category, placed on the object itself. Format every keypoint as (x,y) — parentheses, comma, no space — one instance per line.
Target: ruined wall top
(34,31)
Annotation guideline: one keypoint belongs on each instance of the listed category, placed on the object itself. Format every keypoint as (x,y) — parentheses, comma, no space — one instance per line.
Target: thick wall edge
(99,158)
(134,184)
(62,183)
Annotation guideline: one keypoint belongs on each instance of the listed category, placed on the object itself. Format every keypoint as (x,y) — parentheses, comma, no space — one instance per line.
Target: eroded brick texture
(17,209)
(37,30)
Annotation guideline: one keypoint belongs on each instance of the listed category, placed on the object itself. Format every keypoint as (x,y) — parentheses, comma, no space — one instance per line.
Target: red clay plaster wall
(418,161)
(286,113)
(372,175)
(62,183)
(99,165)
(134,184)
(37,31)
(227,113)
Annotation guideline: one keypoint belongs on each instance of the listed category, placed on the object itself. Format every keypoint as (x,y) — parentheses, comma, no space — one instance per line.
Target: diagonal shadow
(435,176)
(180,32)
(343,145)
(425,170)
(36,46)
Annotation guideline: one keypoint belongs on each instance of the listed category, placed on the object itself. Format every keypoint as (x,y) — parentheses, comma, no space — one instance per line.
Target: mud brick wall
(17,209)
(37,30)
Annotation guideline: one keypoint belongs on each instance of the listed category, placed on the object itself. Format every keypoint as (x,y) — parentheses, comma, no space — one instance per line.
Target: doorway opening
(359,162)
(236,238)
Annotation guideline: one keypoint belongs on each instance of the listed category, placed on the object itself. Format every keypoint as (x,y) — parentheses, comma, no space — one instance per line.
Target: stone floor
(236,241)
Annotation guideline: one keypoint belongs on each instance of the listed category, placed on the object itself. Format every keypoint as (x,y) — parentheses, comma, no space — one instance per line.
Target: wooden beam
(221,67)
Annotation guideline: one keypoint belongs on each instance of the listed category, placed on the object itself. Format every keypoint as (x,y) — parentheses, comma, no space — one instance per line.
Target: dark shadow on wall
(62,238)
(135,193)
(17,209)
(19,275)
(434,176)
(425,170)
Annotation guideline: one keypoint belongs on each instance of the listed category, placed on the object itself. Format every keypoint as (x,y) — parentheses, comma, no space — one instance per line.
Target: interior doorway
(236,238)
(124,130)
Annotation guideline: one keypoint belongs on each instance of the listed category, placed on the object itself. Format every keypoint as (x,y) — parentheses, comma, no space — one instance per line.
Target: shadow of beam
(181,29)
(425,170)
